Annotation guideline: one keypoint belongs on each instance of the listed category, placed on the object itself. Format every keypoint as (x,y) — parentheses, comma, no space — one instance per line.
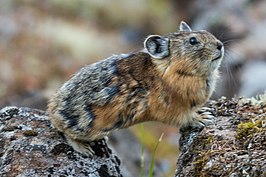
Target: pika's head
(187,52)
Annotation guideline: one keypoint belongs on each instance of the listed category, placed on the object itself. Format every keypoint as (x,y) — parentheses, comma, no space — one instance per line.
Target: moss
(30,133)
(202,159)
(204,142)
(248,128)
(203,156)
(201,162)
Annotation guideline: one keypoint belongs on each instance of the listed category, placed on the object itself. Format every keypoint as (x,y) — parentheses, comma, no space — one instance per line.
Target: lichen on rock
(29,146)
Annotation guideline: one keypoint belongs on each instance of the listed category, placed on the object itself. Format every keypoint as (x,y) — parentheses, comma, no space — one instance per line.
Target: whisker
(237,54)
(230,71)
(231,40)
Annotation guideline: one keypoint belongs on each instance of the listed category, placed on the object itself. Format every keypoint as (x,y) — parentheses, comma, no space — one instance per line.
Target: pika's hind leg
(82,147)
(90,148)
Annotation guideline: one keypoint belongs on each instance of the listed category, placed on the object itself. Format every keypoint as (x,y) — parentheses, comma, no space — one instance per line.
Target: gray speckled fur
(94,82)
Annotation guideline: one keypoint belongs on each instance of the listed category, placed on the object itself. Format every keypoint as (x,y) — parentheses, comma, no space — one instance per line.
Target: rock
(235,146)
(29,146)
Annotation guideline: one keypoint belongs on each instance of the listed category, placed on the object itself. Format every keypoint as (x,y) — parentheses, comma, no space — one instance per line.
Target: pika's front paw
(205,116)
(203,120)
(200,120)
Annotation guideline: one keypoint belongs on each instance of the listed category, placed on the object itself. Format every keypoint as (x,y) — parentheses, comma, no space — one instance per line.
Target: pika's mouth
(217,58)
(219,54)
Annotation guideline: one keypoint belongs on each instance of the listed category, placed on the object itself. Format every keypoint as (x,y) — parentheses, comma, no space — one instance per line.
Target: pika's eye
(193,41)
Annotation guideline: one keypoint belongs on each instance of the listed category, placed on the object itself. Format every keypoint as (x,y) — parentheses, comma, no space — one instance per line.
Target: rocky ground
(235,146)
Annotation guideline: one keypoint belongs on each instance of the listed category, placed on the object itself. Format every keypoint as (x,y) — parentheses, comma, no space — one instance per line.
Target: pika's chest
(183,96)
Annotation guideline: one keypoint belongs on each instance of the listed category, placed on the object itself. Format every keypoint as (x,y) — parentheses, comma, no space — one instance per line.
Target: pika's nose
(219,45)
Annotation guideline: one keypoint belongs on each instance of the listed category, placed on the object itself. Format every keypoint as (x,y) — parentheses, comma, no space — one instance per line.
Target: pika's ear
(184,27)
(157,46)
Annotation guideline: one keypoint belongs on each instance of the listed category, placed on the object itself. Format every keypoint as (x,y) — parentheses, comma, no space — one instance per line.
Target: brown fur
(140,88)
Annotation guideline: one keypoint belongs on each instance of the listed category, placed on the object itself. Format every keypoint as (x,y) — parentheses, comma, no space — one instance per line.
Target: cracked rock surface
(29,146)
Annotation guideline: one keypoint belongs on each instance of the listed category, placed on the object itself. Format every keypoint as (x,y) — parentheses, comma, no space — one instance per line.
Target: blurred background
(42,43)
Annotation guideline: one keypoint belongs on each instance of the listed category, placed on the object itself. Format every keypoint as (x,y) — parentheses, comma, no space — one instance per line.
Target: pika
(168,81)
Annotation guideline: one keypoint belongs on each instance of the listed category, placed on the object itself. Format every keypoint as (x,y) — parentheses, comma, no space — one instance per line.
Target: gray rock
(29,146)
